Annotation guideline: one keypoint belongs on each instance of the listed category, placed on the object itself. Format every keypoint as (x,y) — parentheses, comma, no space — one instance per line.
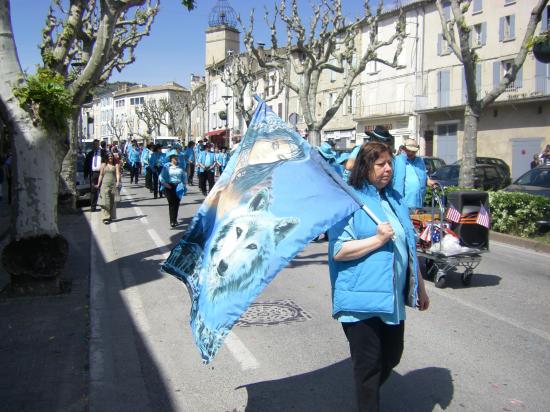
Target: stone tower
(222,34)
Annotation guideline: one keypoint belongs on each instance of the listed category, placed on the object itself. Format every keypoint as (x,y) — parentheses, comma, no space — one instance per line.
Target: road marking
(240,352)
(540,333)
(133,301)
(159,243)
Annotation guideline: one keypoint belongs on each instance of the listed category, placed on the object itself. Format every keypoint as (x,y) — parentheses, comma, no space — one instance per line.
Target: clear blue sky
(175,48)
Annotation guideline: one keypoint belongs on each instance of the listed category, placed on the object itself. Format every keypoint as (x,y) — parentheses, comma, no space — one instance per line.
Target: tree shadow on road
(332,389)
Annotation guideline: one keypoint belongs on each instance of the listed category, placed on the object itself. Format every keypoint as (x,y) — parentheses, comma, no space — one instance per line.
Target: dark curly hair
(364,162)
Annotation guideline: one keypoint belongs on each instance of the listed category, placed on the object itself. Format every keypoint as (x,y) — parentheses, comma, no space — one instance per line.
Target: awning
(215,133)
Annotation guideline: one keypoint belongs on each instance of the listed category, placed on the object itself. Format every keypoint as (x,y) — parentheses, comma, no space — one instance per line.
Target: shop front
(220,138)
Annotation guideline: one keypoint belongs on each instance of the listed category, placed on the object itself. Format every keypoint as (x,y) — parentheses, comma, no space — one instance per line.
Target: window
(280,110)
(332,72)
(272,81)
(372,67)
(478,6)
(119,103)
(447,10)
(443,47)
(479,35)
(136,100)
(349,103)
(443,88)
(503,68)
(507,28)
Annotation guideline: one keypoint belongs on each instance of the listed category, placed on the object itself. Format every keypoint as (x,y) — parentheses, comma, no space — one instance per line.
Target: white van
(167,142)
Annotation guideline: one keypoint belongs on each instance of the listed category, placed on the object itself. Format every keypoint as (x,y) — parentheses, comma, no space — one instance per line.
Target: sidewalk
(44,340)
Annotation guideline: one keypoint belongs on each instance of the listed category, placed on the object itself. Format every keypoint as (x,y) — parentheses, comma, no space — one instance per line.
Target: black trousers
(134,172)
(190,172)
(155,185)
(148,179)
(207,176)
(173,203)
(375,349)
(94,192)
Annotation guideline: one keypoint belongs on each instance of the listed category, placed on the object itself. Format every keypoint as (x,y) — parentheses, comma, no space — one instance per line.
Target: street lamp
(226,100)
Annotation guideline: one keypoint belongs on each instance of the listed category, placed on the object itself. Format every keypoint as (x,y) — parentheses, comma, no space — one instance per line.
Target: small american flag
(426,234)
(483,218)
(452,214)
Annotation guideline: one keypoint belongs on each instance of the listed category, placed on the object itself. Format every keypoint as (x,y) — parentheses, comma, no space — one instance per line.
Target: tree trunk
(314,137)
(35,168)
(469,146)
(67,178)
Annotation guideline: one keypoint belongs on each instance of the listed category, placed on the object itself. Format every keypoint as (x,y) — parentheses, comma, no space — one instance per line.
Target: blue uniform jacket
(156,161)
(399,174)
(366,285)
(134,156)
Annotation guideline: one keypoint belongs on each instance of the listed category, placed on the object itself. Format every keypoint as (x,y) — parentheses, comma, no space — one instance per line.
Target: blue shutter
(478,6)
(512,26)
(519,78)
(443,88)
(496,74)
(483,34)
(544,20)
(439,42)
(447,11)
(478,80)
(542,77)
(501,29)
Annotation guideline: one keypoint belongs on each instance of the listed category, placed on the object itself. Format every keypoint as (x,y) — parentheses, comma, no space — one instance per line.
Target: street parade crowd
(166,174)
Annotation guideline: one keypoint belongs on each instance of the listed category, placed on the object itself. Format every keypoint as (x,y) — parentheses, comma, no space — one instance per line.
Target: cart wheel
(440,280)
(467,277)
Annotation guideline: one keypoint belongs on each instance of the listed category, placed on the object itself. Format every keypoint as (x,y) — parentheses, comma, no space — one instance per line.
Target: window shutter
(544,19)
(443,87)
(496,73)
(478,79)
(512,26)
(478,6)
(501,29)
(447,11)
(542,77)
(353,102)
(439,42)
(519,78)
(483,34)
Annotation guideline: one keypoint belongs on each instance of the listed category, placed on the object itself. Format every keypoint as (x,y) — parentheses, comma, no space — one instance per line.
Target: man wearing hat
(325,150)
(409,175)
(379,134)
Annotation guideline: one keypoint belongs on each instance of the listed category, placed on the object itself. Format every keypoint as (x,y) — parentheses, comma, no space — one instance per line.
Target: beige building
(112,116)
(517,125)
(424,98)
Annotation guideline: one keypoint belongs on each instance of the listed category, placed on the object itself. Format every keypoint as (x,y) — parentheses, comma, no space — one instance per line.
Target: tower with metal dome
(222,34)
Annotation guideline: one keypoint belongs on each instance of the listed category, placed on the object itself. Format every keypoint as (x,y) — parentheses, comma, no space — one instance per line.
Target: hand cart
(440,262)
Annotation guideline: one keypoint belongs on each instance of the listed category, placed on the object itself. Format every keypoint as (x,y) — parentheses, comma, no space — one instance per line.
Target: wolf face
(243,245)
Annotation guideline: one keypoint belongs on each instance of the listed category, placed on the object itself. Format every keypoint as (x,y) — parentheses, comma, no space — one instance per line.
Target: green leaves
(190,4)
(46,99)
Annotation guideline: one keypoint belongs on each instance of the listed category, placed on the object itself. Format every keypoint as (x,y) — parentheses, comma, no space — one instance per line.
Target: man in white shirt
(92,166)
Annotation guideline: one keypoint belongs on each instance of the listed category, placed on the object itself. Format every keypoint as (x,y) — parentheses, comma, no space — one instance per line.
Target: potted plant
(222,115)
(541,47)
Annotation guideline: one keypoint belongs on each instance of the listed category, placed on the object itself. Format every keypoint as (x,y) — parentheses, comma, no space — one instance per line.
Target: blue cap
(171,153)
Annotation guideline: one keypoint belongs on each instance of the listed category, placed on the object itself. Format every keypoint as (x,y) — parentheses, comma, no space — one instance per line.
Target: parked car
(486,177)
(82,185)
(535,182)
(432,164)
(501,164)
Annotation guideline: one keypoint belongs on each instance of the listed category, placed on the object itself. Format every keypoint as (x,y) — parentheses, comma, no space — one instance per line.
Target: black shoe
(172,224)
(204,194)
(93,209)
(155,196)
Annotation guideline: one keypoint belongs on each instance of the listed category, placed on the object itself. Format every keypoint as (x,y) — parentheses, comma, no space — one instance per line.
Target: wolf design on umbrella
(242,247)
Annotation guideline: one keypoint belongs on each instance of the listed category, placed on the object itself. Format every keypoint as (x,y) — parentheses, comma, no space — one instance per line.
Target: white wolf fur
(243,245)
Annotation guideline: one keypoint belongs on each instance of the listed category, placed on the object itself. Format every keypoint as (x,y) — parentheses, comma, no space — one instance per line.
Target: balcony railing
(390,108)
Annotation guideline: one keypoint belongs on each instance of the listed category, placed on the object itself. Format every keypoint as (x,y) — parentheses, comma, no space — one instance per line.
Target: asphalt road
(481,348)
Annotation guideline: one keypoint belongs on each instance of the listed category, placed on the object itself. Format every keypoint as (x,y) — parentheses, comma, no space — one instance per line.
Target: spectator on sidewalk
(109,182)
(173,179)
(92,166)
